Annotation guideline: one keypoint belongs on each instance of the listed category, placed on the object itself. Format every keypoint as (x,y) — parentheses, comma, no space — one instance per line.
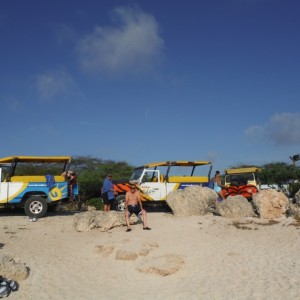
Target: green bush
(96,202)
(294,188)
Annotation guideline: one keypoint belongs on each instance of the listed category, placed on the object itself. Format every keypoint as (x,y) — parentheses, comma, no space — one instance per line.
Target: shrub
(96,202)
(294,188)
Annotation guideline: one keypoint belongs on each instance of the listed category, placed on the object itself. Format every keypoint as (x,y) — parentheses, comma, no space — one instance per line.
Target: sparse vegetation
(95,202)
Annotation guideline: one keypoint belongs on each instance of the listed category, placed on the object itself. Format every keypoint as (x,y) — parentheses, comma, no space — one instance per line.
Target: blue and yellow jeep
(35,193)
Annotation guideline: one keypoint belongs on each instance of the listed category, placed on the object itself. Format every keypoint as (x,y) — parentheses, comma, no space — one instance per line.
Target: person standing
(107,192)
(71,178)
(133,205)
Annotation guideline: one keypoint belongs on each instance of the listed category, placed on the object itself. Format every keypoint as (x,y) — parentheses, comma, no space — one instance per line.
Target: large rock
(293,211)
(193,200)
(270,204)
(104,221)
(235,207)
(12,269)
(297,198)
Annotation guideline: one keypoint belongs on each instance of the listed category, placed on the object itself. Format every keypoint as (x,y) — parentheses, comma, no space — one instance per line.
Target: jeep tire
(35,207)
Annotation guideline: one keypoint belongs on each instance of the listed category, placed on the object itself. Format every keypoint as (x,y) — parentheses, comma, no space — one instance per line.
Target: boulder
(104,221)
(12,269)
(297,198)
(235,207)
(270,204)
(293,211)
(193,200)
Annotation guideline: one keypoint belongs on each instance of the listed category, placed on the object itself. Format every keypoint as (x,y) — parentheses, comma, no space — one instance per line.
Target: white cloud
(282,129)
(133,45)
(53,85)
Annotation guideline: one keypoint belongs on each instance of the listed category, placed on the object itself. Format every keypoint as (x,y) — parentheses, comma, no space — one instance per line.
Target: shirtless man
(133,205)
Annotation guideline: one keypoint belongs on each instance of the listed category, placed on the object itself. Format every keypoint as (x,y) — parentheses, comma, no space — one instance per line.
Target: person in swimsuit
(133,205)
(217,185)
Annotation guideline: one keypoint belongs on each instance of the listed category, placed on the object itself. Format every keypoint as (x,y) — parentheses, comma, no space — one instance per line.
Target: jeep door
(3,192)
(152,186)
(3,189)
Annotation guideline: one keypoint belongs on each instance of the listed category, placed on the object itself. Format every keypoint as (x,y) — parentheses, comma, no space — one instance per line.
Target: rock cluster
(196,200)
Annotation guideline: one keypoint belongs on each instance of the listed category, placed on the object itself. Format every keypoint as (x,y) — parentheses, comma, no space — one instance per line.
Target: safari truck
(157,180)
(34,193)
(241,181)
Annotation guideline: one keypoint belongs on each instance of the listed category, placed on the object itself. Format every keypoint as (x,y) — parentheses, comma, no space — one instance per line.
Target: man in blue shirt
(107,192)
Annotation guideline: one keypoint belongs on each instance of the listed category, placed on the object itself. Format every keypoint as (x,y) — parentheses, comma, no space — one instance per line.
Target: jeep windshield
(137,173)
(238,179)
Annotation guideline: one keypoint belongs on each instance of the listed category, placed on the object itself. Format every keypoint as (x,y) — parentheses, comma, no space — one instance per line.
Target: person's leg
(127,220)
(106,202)
(70,193)
(110,203)
(144,219)
(221,195)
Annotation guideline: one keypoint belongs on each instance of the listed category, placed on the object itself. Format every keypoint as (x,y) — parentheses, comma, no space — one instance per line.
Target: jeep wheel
(35,207)
(120,203)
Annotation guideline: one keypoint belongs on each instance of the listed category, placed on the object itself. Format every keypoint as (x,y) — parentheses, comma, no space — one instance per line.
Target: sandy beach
(217,258)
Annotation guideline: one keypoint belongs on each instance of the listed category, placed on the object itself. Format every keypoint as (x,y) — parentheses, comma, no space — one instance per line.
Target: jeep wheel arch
(120,203)
(35,207)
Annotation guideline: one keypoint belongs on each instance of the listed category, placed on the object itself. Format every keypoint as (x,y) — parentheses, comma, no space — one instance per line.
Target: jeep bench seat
(35,179)
(176,179)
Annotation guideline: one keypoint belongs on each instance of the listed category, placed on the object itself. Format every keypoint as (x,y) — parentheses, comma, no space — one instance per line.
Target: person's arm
(219,182)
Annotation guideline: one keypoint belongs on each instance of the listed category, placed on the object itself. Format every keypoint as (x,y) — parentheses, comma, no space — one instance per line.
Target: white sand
(221,261)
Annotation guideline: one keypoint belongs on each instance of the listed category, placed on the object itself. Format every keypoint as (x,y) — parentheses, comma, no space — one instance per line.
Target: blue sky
(144,81)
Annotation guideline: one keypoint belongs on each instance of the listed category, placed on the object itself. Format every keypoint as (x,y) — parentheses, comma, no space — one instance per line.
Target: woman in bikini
(217,185)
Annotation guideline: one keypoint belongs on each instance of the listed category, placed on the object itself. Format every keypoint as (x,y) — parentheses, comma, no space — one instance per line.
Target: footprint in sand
(164,265)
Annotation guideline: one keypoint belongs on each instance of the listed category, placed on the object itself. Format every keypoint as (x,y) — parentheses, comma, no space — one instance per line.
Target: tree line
(91,172)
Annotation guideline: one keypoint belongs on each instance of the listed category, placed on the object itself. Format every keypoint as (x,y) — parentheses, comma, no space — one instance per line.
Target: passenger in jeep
(133,205)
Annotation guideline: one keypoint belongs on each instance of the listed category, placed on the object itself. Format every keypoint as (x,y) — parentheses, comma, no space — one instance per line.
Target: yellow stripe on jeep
(35,179)
(184,179)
